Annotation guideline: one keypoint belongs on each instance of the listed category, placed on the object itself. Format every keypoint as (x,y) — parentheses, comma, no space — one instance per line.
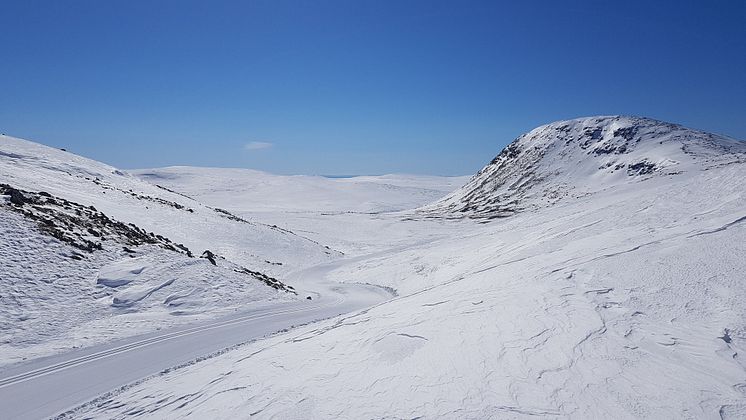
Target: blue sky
(356,87)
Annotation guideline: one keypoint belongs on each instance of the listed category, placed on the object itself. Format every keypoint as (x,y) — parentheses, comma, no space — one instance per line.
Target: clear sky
(352,86)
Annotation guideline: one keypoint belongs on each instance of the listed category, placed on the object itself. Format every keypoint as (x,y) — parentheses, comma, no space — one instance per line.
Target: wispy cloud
(257,145)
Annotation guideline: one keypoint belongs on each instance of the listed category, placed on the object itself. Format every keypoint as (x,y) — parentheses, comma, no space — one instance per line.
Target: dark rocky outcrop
(574,158)
(87,229)
(83,227)
(209,256)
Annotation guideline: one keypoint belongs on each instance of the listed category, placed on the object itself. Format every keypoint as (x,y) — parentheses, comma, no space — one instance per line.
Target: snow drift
(67,223)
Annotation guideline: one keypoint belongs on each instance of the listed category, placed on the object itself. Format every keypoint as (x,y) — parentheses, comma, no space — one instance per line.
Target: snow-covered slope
(570,159)
(626,301)
(330,211)
(90,253)
(255,191)
(34,167)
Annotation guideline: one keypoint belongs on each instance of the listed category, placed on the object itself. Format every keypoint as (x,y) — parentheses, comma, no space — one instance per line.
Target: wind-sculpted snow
(68,222)
(626,303)
(55,297)
(570,159)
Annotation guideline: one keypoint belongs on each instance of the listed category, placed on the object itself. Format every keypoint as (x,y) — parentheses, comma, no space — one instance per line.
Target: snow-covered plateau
(596,268)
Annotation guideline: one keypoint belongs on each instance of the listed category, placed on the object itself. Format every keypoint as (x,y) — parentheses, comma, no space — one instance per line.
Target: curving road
(48,386)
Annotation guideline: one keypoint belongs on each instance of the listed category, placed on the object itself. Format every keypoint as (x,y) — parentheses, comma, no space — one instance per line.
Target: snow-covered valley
(594,269)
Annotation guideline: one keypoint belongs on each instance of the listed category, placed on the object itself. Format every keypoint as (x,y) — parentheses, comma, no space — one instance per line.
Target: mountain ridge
(572,158)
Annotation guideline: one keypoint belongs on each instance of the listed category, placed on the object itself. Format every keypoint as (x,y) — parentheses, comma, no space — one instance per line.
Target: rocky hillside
(574,158)
(91,253)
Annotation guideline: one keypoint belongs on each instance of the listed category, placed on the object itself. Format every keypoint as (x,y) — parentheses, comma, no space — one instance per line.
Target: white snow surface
(50,303)
(327,210)
(124,197)
(623,296)
(256,191)
(54,297)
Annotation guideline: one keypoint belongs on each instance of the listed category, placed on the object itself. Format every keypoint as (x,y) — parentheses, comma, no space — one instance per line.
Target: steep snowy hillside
(625,300)
(91,253)
(570,159)
(33,167)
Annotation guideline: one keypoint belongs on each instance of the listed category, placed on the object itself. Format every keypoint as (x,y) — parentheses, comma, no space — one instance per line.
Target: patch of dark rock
(159,200)
(627,133)
(641,168)
(564,128)
(610,149)
(269,281)
(82,227)
(16,196)
(209,256)
(230,216)
(594,134)
(511,151)
(185,249)
(174,192)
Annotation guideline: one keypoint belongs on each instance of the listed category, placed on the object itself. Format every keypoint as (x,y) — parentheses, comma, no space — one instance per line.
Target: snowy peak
(578,157)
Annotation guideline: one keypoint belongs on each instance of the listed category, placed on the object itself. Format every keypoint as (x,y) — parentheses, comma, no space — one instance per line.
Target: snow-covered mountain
(615,290)
(570,159)
(90,252)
